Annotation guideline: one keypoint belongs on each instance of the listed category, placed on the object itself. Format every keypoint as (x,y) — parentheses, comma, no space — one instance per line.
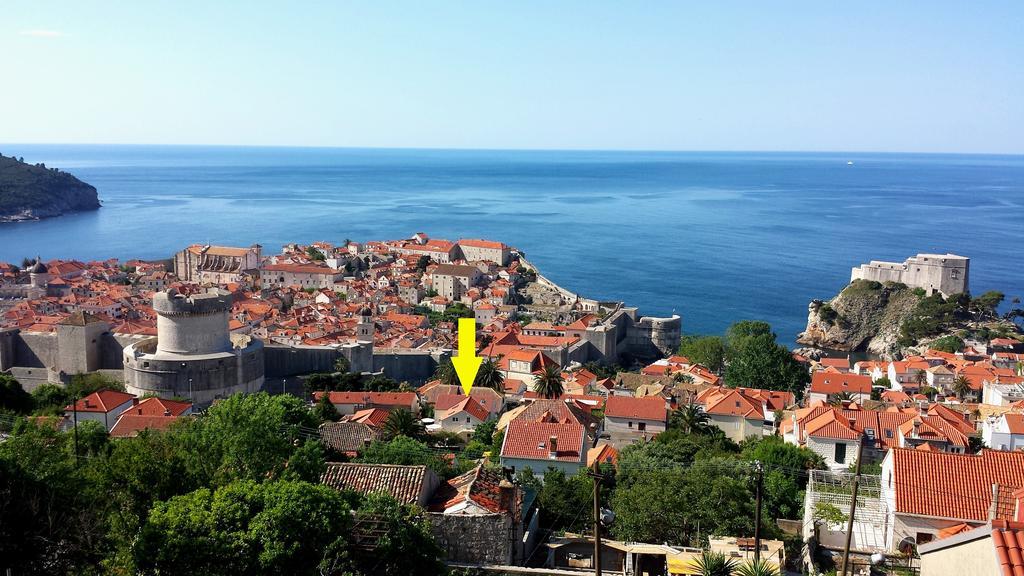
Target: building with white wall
(943,273)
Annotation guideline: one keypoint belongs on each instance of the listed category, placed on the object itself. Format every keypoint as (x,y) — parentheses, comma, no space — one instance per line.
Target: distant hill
(33,191)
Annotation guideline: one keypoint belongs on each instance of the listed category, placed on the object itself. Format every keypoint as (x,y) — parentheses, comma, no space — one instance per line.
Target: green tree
(987,303)
(307,463)
(422,263)
(407,452)
(281,527)
(951,344)
(85,384)
(839,398)
(961,386)
(446,373)
(401,422)
(342,365)
(13,397)
(759,567)
(50,399)
(564,500)
(325,411)
(406,546)
(708,351)
(489,376)
(756,360)
(549,383)
(690,418)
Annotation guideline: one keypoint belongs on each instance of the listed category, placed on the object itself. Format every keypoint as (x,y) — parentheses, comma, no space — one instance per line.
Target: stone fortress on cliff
(193,354)
(943,273)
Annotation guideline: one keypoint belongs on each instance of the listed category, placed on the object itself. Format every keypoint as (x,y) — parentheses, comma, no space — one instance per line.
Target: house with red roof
(629,419)
(926,492)
(543,445)
(735,412)
(1005,432)
(350,402)
(993,549)
(103,406)
(826,384)
(149,414)
(459,414)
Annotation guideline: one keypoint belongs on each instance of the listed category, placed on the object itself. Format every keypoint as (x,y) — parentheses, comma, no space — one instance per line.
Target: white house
(103,406)
(638,418)
(1004,433)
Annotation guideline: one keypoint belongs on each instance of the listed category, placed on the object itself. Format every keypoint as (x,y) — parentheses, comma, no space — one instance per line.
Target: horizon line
(509,149)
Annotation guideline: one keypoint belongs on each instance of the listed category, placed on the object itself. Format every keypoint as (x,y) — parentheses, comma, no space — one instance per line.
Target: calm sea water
(715,237)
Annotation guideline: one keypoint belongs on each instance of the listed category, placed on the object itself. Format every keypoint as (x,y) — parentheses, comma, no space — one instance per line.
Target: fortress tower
(193,355)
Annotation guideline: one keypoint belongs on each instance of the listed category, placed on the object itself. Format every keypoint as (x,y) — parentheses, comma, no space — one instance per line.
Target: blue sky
(928,76)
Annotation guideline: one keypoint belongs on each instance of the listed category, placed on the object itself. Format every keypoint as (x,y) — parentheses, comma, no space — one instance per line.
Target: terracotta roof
(833,425)
(1015,423)
(346,437)
(130,424)
(948,485)
(101,401)
(524,439)
(647,408)
(834,383)
(465,404)
(372,417)
(404,399)
(475,243)
(1008,540)
(481,486)
(159,407)
(403,483)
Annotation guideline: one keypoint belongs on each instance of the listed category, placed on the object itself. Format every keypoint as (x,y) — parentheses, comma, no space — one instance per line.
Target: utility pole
(853,505)
(596,475)
(74,411)
(759,470)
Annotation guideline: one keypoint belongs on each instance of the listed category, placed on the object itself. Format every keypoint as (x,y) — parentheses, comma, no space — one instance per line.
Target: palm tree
(402,423)
(549,383)
(921,377)
(490,377)
(446,372)
(690,418)
(714,564)
(961,386)
(838,398)
(759,567)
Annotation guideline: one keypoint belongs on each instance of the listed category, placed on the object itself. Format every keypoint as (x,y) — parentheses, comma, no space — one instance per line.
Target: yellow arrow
(467,363)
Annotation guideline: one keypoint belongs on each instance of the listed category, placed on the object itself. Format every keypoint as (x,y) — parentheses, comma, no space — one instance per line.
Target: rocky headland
(891,320)
(33,191)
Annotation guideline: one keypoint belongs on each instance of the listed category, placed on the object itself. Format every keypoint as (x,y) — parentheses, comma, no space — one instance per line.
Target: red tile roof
(948,485)
(1008,540)
(482,486)
(403,483)
(833,383)
(404,399)
(101,401)
(159,407)
(646,408)
(530,440)
(130,424)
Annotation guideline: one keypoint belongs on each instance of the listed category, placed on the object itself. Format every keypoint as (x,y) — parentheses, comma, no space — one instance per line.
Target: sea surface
(714,237)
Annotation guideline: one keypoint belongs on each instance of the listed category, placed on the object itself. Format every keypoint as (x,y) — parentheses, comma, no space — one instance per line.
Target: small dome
(365,311)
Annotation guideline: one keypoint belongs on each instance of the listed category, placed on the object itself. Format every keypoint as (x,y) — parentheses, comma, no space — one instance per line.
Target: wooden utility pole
(853,506)
(759,470)
(596,475)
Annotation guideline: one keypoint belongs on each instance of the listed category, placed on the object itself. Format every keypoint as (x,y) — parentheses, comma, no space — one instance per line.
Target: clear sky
(927,76)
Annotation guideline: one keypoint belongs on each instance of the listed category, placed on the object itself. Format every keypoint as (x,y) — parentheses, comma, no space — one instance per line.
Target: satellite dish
(908,546)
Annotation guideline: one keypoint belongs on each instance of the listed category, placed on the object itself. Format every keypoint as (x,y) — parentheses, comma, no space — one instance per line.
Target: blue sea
(715,237)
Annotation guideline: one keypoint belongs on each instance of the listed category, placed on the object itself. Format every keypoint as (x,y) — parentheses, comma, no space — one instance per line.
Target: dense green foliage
(549,383)
(26,186)
(756,360)
(231,491)
(708,351)
(951,344)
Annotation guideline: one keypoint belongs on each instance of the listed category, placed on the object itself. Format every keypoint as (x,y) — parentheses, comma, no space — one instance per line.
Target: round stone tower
(196,324)
(193,355)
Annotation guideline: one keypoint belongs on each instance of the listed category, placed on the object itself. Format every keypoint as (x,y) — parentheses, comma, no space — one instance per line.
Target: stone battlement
(171,303)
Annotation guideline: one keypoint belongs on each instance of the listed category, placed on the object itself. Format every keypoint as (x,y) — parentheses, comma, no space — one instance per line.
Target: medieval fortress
(942,273)
(196,354)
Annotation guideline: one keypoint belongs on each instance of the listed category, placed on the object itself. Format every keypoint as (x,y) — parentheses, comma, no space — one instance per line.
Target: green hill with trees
(33,191)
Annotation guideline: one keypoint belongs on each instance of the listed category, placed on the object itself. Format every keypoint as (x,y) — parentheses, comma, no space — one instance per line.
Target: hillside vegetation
(32,191)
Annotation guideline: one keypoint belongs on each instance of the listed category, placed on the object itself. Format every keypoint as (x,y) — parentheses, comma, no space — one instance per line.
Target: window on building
(840,456)
(924,537)
(630,424)
(641,426)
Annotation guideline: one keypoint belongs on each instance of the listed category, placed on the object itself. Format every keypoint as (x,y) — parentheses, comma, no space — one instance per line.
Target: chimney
(993,509)
(140,411)
(553,447)
(506,496)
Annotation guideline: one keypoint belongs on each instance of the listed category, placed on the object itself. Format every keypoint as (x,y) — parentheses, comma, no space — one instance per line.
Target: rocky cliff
(865,316)
(33,191)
